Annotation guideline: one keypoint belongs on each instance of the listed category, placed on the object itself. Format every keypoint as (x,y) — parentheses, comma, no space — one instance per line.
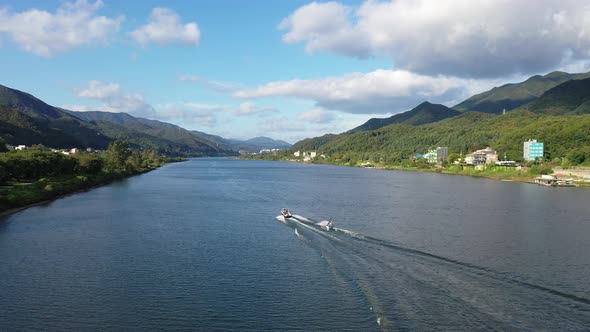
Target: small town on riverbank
(486,162)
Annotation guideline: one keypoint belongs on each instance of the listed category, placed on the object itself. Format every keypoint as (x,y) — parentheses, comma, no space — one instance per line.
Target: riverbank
(47,189)
(493,172)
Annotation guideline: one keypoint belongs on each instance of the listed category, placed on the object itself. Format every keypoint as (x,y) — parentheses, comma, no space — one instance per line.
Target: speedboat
(286,213)
(327,225)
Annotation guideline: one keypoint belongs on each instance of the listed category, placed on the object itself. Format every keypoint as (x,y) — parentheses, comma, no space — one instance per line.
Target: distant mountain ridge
(251,145)
(421,114)
(513,95)
(171,136)
(25,119)
(554,108)
(571,97)
(267,143)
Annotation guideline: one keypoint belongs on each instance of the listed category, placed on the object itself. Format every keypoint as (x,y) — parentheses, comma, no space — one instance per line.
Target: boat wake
(298,235)
(412,289)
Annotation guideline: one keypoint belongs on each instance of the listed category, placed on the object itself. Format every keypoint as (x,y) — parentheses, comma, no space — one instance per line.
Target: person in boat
(285,213)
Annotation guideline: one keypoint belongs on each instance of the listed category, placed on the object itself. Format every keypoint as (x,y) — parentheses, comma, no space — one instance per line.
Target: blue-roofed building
(533,150)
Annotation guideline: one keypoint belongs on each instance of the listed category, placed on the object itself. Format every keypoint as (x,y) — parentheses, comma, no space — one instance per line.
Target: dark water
(196,246)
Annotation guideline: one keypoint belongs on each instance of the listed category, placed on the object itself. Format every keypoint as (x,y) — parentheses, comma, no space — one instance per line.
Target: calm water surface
(196,246)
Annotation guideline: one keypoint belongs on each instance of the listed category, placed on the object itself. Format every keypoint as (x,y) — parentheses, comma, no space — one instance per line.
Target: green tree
(116,157)
(134,162)
(453,156)
(90,163)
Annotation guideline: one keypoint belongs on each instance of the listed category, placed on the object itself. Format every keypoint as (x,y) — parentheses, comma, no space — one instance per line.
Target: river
(197,246)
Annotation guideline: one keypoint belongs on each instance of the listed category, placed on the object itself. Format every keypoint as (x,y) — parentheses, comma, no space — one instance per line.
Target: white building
(297,153)
(307,155)
(20,147)
(482,157)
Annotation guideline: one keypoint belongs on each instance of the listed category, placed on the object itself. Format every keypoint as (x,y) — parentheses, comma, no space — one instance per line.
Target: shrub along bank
(39,174)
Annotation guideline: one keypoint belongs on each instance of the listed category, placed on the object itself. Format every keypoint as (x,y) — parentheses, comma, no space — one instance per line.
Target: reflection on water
(196,245)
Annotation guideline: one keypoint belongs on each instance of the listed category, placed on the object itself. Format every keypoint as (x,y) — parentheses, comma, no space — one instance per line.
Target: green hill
(514,95)
(557,113)
(123,124)
(464,133)
(25,119)
(315,143)
(173,133)
(571,97)
(421,114)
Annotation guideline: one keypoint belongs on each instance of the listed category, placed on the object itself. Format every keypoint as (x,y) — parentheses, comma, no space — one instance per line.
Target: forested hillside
(421,114)
(558,114)
(513,95)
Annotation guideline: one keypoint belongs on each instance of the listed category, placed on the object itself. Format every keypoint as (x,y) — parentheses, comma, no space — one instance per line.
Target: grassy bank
(18,195)
(37,175)
(526,174)
(45,189)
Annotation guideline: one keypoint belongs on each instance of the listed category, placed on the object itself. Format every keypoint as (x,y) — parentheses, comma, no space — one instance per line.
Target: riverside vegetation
(525,174)
(554,109)
(39,174)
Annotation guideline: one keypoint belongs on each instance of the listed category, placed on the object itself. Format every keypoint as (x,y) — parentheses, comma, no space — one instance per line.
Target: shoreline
(77,191)
(521,179)
(24,207)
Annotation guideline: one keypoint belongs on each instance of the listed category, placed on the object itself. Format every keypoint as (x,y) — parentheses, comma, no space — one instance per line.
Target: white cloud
(324,26)
(190,114)
(317,115)
(78,108)
(116,100)
(217,86)
(72,25)
(380,91)
(165,27)
(484,38)
(248,108)
(293,129)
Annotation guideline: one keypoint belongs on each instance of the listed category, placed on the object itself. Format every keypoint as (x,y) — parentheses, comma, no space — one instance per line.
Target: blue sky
(284,69)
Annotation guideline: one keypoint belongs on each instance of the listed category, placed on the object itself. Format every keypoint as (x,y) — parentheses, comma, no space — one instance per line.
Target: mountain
(421,114)
(562,135)
(514,95)
(571,97)
(251,145)
(201,141)
(315,143)
(25,119)
(174,139)
(267,143)
(558,115)
(118,118)
(28,104)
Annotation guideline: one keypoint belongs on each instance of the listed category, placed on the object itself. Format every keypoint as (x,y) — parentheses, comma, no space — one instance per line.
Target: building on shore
(437,155)
(533,150)
(307,155)
(482,157)
(442,153)
(430,156)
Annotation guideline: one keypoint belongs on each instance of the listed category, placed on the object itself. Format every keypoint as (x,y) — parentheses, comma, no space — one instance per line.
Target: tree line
(38,162)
